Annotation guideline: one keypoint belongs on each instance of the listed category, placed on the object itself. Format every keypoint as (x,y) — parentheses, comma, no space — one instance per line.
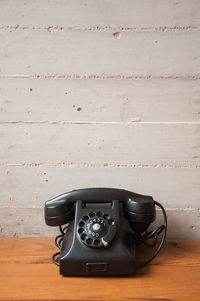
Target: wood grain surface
(27,273)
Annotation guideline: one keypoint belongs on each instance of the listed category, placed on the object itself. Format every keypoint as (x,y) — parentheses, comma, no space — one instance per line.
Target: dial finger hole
(99,213)
(85,218)
(91,214)
(96,242)
(80,230)
(81,224)
(83,236)
(106,216)
(89,241)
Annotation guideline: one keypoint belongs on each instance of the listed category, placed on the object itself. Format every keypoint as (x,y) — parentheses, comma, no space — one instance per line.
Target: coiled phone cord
(141,239)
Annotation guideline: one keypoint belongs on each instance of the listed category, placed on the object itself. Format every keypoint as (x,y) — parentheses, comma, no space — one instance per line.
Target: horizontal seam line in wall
(104,165)
(123,123)
(100,77)
(56,28)
(41,207)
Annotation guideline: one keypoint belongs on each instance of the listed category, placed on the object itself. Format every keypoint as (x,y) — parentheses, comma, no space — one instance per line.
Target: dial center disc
(96,227)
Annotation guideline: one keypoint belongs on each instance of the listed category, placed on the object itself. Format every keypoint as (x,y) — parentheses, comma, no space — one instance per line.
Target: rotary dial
(96,229)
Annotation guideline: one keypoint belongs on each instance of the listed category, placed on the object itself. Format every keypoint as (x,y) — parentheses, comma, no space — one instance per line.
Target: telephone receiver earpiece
(139,209)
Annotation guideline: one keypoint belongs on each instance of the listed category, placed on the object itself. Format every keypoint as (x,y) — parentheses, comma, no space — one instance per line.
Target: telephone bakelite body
(104,227)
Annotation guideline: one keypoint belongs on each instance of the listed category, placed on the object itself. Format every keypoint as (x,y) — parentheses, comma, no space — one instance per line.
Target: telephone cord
(154,234)
(58,242)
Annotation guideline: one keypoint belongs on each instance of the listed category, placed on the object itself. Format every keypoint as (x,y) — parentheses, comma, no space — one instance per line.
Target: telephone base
(118,258)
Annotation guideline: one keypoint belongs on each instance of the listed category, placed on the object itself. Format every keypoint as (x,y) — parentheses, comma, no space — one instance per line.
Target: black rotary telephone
(105,226)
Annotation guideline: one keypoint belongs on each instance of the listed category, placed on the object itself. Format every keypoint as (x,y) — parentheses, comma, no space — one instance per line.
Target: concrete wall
(99,93)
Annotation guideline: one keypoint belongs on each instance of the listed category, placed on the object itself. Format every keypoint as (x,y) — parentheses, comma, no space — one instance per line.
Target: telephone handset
(105,225)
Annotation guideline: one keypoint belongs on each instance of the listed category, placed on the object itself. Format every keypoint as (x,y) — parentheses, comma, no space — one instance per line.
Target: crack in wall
(100,165)
(57,28)
(88,122)
(101,76)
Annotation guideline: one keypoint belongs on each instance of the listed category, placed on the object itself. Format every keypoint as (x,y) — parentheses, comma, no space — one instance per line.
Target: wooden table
(27,273)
